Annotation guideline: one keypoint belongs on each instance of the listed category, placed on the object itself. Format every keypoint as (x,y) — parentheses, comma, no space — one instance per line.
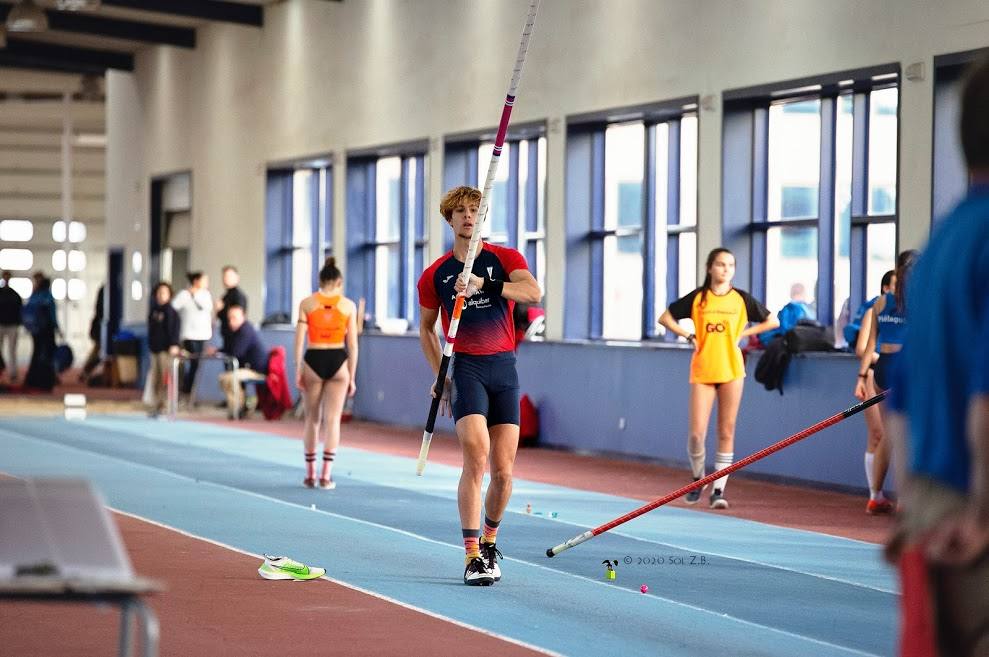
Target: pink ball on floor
(644,588)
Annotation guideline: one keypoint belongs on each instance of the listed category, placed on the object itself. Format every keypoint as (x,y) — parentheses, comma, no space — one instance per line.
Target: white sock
(869,459)
(697,458)
(722,460)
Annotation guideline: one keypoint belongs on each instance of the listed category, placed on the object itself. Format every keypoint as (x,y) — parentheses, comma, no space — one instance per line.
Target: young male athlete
(486,399)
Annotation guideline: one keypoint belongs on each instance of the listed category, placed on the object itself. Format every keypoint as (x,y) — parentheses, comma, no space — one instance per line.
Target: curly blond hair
(457,197)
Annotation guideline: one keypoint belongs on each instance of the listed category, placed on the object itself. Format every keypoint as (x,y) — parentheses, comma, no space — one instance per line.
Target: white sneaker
(477,574)
(490,554)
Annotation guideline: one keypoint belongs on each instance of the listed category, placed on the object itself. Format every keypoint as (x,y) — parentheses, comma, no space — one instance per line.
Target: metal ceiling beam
(213,10)
(79,23)
(47,57)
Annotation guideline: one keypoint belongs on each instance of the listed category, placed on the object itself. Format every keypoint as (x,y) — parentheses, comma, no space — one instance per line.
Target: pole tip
(550,553)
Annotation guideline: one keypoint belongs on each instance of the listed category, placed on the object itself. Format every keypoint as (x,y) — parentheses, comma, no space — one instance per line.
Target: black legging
(41,371)
(194,347)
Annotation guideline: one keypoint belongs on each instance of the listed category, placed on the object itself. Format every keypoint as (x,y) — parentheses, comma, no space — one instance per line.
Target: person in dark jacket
(95,336)
(163,342)
(40,321)
(243,344)
(10,324)
(233,296)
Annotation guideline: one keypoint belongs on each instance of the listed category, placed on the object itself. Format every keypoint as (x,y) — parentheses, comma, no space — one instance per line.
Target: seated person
(244,345)
(796,310)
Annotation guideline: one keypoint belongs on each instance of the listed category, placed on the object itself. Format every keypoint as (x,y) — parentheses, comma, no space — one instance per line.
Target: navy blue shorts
(884,369)
(486,385)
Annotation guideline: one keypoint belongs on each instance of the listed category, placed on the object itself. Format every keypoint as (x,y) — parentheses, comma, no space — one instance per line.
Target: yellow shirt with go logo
(718,323)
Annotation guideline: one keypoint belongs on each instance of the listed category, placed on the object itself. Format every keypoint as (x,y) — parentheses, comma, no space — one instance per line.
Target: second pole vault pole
(475,238)
(751,458)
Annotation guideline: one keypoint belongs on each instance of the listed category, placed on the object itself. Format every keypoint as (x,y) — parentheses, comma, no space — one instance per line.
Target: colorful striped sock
(490,533)
(310,465)
(470,544)
(328,457)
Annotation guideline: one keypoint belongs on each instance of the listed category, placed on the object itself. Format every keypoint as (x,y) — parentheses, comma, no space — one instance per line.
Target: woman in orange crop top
(326,375)
(722,315)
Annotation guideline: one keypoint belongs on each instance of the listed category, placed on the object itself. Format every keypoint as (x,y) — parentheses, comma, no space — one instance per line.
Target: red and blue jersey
(486,325)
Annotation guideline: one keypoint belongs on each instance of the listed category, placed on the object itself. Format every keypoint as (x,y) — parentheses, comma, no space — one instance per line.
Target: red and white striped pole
(475,239)
(752,458)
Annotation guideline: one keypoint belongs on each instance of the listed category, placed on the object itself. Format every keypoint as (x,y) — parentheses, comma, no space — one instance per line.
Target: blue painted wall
(584,390)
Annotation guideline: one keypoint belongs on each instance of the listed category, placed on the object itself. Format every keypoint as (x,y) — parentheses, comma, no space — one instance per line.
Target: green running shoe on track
(285,568)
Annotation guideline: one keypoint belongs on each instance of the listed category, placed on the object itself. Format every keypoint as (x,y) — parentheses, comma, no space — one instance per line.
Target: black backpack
(809,335)
(771,368)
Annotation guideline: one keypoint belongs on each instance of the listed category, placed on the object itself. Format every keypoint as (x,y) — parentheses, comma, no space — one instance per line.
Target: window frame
(594,126)
(462,167)
(748,186)
(362,234)
(280,230)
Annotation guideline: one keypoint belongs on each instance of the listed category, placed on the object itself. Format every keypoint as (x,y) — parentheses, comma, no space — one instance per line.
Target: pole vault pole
(752,458)
(475,238)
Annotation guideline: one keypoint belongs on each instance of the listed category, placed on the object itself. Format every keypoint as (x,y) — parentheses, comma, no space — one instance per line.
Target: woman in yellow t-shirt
(720,314)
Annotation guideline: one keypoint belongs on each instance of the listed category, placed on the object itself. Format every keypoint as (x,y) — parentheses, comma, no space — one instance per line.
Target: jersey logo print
(491,273)
(447,279)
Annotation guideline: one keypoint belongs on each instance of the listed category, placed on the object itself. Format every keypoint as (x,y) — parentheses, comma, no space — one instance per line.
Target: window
(950,177)
(77,231)
(58,289)
(386,234)
(16,230)
(793,185)
(298,235)
(821,195)
(641,214)
(865,196)
(388,238)
(22,285)
(624,170)
(76,260)
(675,169)
(76,289)
(16,259)
(517,204)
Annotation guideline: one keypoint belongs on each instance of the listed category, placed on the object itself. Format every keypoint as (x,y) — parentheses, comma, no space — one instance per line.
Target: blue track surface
(718,585)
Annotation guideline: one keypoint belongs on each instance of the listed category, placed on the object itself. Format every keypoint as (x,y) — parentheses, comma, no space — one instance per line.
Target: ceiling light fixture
(77,5)
(26,17)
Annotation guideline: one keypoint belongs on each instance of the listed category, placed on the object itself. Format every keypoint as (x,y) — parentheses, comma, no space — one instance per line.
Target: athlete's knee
(875,437)
(695,442)
(473,473)
(501,478)
(726,431)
